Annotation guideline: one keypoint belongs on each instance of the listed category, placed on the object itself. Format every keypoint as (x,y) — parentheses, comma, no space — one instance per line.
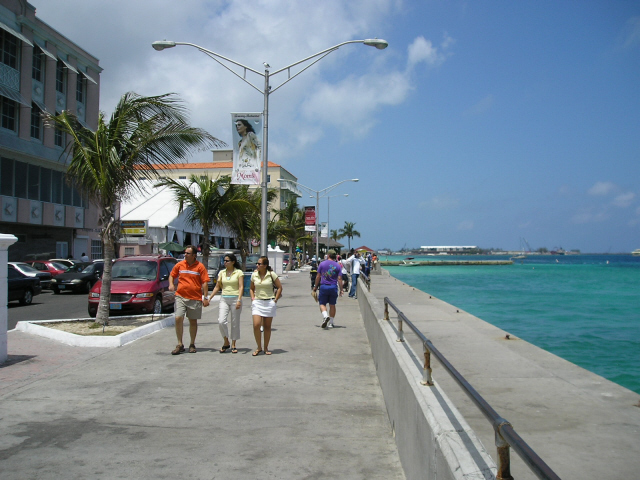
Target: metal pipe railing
(505,435)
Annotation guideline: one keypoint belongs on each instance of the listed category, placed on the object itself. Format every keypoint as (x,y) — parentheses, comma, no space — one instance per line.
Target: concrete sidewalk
(313,409)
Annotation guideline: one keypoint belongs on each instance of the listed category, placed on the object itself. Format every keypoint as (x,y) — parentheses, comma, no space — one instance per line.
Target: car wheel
(87,287)
(157,306)
(93,312)
(27,298)
(56,291)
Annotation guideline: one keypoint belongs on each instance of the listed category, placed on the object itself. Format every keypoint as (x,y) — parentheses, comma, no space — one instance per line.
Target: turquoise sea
(583,308)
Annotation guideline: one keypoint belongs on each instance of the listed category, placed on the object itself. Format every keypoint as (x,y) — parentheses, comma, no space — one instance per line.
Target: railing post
(400,332)
(504,459)
(426,371)
(386,309)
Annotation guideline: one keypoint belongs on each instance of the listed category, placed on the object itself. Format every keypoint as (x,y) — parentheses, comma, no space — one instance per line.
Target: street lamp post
(324,191)
(266,91)
(329,197)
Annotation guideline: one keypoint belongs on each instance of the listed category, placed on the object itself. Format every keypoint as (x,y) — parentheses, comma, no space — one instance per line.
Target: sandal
(267,352)
(192,348)
(256,353)
(225,348)
(234,350)
(178,350)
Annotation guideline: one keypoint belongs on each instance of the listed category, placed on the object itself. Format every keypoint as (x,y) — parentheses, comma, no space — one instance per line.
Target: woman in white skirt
(231,283)
(266,289)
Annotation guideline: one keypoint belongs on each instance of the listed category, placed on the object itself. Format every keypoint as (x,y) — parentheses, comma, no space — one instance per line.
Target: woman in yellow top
(231,283)
(264,298)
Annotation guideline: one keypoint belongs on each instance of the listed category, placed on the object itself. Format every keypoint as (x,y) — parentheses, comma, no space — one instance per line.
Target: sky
(483,123)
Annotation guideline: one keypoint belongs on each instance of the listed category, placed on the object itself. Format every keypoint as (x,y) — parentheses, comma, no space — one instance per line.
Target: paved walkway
(311,410)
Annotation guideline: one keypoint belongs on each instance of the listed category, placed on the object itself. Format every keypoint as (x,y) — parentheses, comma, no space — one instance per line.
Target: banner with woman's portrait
(247,148)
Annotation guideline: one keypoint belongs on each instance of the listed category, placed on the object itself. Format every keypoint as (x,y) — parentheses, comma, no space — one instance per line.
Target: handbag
(275,289)
(314,294)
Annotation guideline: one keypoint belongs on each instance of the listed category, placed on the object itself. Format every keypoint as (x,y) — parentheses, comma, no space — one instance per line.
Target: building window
(21,170)
(37,65)
(36,122)
(6,177)
(96,249)
(60,76)
(81,89)
(58,136)
(45,184)
(8,49)
(9,114)
(129,251)
(56,186)
(182,178)
(33,183)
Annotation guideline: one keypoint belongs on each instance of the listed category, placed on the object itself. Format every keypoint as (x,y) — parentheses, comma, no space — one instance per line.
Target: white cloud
(624,200)
(423,50)
(589,217)
(466,225)
(602,188)
(444,202)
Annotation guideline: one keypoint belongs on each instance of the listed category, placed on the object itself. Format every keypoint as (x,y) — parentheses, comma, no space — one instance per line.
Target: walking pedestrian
(265,291)
(328,283)
(345,272)
(231,283)
(356,263)
(190,295)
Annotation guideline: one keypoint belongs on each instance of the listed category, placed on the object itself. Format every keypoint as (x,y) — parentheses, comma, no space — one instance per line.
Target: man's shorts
(192,309)
(328,294)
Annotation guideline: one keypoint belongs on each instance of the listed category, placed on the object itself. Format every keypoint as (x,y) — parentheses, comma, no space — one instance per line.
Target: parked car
(29,271)
(216,262)
(79,266)
(54,268)
(285,261)
(68,262)
(139,285)
(20,287)
(78,281)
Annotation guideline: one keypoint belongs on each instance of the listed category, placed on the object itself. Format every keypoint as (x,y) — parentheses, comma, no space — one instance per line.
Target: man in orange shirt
(191,294)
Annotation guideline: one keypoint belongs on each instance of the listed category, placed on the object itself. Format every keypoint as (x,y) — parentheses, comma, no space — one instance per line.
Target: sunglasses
(226,260)
(260,263)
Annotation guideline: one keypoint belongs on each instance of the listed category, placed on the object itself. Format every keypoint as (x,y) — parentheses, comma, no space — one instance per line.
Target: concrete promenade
(582,425)
(311,410)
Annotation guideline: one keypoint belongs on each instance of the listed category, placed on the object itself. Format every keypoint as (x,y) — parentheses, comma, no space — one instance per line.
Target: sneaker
(324,324)
(261,328)
(330,325)
(178,350)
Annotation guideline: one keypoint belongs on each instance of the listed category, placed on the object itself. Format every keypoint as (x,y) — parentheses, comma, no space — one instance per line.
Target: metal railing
(505,435)
(366,280)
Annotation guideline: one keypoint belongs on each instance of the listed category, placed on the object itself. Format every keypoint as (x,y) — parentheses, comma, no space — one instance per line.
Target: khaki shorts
(192,309)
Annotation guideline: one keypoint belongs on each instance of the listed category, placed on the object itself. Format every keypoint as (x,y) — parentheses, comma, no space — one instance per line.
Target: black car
(78,281)
(21,287)
(29,271)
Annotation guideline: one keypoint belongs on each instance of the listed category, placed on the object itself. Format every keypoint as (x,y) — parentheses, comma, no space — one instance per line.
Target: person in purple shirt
(329,283)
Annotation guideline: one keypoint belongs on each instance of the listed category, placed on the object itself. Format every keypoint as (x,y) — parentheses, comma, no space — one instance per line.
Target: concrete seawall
(582,425)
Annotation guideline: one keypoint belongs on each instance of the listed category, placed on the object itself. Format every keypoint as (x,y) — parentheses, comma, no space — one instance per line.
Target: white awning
(13,32)
(88,77)
(13,95)
(69,66)
(48,53)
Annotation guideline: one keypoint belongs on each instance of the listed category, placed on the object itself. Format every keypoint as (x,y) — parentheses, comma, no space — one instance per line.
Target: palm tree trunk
(102,315)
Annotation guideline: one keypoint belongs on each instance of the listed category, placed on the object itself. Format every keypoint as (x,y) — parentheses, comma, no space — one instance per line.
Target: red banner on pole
(309,219)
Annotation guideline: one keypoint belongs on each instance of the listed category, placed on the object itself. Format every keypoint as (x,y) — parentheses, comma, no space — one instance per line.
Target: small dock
(442,263)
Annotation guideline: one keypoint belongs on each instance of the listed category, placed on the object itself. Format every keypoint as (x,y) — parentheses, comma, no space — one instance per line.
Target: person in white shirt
(84,257)
(356,262)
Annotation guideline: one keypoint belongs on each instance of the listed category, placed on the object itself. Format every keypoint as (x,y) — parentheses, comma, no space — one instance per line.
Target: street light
(266,91)
(324,191)
(328,228)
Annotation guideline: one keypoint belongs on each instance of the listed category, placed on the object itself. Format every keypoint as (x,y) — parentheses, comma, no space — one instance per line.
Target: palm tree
(208,202)
(349,231)
(291,226)
(143,132)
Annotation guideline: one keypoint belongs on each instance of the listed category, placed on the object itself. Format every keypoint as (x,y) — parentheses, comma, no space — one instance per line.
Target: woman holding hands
(231,283)
(266,289)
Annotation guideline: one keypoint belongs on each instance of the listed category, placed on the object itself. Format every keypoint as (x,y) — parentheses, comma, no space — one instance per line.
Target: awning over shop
(15,33)
(13,95)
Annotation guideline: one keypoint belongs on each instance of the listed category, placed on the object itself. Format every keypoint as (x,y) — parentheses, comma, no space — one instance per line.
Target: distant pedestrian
(355,263)
(329,283)
(266,289)
(345,272)
(190,296)
(84,257)
(313,272)
(231,283)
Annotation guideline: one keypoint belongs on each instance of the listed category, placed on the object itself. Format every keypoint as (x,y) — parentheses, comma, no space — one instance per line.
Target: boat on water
(518,257)
(408,262)
(636,252)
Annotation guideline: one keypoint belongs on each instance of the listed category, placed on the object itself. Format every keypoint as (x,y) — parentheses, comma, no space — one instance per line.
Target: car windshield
(90,269)
(253,258)
(134,269)
(24,268)
(60,266)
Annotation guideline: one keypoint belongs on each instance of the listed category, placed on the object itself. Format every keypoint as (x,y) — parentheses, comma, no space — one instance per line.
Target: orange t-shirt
(190,279)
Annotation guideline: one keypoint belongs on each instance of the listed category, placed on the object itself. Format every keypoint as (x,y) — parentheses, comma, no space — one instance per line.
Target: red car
(54,268)
(139,285)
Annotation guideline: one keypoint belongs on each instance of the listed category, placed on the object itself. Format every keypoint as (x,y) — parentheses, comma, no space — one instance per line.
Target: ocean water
(583,308)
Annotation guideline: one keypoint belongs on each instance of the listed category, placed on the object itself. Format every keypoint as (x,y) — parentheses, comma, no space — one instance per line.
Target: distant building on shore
(442,250)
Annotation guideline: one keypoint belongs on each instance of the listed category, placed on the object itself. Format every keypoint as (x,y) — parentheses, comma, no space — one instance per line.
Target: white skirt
(263,308)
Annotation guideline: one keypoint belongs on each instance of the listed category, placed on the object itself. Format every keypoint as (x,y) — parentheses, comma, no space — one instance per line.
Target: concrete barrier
(433,439)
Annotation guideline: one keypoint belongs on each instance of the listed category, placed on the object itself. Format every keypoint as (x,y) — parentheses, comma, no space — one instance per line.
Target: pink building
(42,70)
